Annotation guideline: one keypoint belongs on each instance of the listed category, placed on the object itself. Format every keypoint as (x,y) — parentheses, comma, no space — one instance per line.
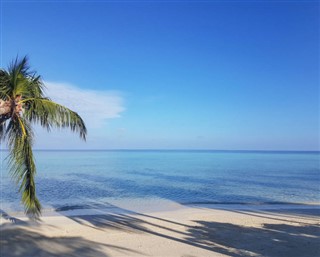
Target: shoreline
(148,206)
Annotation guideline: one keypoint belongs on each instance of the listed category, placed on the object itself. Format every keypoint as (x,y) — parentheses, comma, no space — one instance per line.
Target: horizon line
(166,149)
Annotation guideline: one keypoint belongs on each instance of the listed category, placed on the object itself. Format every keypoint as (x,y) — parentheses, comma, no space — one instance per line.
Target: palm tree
(23,103)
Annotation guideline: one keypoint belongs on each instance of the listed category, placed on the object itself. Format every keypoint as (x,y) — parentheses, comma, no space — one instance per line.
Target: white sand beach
(207,230)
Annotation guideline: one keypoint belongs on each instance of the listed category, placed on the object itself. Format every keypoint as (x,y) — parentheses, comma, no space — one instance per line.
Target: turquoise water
(184,177)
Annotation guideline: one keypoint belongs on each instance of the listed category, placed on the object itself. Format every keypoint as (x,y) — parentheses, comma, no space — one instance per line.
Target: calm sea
(78,178)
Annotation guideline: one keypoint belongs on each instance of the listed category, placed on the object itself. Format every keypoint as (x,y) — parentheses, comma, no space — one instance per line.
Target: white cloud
(94,106)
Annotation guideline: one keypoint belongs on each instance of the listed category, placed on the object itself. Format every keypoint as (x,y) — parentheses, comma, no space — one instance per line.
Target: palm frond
(22,91)
(22,80)
(17,70)
(29,87)
(50,114)
(20,66)
(22,165)
(5,89)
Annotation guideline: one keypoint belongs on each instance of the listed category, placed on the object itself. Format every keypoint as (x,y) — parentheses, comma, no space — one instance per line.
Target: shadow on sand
(19,242)
(16,240)
(269,240)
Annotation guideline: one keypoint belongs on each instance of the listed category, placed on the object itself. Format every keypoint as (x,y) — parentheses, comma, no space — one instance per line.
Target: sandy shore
(185,232)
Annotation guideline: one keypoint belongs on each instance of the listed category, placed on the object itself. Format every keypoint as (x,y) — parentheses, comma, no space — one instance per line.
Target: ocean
(83,178)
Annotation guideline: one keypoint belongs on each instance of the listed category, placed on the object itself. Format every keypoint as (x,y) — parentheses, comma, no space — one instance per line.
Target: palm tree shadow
(17,240)
(121,222)
(135,222)
(20,242)
(10,218)
(271,240)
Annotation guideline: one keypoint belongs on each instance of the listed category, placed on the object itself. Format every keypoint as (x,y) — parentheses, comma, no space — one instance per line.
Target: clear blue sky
(185,74)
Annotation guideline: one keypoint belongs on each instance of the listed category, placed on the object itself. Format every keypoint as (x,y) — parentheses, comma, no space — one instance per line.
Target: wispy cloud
(94,106)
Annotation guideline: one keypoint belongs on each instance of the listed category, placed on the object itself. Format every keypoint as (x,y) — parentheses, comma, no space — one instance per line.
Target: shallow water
(81,178)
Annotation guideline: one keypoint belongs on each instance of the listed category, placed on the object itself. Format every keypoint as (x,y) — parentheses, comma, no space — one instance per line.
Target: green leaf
(20,86)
